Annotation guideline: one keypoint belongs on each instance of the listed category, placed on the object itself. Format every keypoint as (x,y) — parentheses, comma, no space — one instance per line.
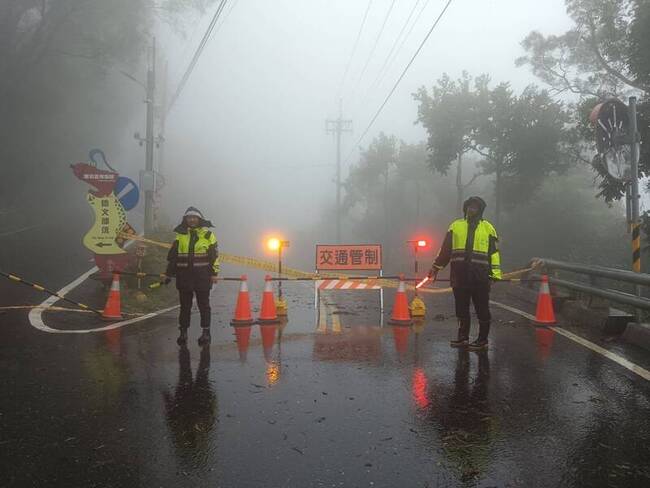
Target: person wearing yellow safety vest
(194,260)
(471,245)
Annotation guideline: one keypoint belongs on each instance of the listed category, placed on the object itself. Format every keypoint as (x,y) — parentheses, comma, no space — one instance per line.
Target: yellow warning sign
(110,220)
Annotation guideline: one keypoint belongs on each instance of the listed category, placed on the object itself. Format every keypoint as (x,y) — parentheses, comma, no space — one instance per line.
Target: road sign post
(617,141)
(354,257)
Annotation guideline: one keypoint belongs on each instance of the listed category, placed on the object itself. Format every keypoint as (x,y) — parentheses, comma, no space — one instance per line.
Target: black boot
(463,334)
(482,342)
(205,338)
(182,338)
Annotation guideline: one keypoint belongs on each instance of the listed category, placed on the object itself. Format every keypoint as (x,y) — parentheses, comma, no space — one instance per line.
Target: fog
(246,140)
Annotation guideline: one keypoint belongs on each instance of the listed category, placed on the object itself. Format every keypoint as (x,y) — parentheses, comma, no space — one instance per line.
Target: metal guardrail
(620,275)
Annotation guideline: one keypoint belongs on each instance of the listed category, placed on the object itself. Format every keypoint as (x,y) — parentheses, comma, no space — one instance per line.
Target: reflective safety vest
(484,249)
(197,248)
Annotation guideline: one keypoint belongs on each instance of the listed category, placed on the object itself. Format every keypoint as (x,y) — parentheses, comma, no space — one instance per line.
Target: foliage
(606,53)
(371,171)
(450,118)
(61,90)
(520,137)
(564,221)
(594,57)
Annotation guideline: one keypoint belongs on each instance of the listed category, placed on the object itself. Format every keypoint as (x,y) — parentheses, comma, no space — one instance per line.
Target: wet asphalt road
(345,402)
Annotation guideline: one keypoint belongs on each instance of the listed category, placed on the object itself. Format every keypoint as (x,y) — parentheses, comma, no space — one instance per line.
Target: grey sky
(251,118)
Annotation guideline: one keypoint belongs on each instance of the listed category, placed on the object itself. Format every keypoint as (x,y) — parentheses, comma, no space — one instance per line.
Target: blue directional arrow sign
(127,192)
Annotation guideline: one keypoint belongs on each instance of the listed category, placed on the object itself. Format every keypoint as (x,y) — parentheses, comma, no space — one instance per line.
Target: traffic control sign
(127,192)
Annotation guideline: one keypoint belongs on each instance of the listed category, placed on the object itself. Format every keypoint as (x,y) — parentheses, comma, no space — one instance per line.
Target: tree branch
(592,43)
(467,185)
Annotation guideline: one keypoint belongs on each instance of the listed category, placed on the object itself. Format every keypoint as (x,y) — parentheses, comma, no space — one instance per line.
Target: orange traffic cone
(400,314)
(243,337)
(268,314)
(268,339)
(243,314)
(112,310)
(544,314)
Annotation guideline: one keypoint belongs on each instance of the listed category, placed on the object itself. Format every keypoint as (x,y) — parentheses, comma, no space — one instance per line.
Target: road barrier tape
(57,309)
(18,279)
(298,275)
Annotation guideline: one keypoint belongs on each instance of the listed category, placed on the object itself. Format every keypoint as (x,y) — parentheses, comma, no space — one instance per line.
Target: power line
(390,94)
(197,54)
(383,70)
(374,47)
(354,49)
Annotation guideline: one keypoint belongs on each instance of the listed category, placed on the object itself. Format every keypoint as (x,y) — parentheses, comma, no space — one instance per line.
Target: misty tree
(411,170)
(605,53)
(449,115)
(520,138)
(59,62)
(371,174)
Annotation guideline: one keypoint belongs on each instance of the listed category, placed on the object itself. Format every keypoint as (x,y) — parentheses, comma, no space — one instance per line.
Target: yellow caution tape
(296,273)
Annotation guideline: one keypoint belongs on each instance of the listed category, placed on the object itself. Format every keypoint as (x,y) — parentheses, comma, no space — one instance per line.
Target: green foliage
(373,168)
(520,137)
(606,53)
(450,117)
(593,57)
(564,221)
(61,90)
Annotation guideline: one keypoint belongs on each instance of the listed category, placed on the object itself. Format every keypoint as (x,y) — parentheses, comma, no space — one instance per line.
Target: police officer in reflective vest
(471,247)
(194,260)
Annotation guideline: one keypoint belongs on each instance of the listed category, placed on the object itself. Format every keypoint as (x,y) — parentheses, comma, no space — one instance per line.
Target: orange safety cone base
(544,315)
(404,322)
(268,313)
(241,323)
(268,321)
(401,315)
(112,310)
(243,314)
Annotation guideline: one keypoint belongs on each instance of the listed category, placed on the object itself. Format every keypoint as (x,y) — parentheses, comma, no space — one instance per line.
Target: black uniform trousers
(479,294)
(203,302)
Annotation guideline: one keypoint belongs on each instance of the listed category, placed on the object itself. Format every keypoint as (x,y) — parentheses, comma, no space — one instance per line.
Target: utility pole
(337,127)
(149,141)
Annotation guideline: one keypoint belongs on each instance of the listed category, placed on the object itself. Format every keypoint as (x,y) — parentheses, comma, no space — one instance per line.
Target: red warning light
(422,243)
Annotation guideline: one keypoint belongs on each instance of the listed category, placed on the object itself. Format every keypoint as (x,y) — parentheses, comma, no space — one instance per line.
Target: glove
(164,279)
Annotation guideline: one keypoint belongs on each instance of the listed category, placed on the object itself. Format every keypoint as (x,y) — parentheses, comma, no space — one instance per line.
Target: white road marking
(18,231)
(642,372)
(36,314)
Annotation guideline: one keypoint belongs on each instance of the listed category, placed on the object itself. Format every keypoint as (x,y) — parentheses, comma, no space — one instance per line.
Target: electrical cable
(197,54)
(388,61)
(374,47)
(393,53)
(390,94)
(354,49)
